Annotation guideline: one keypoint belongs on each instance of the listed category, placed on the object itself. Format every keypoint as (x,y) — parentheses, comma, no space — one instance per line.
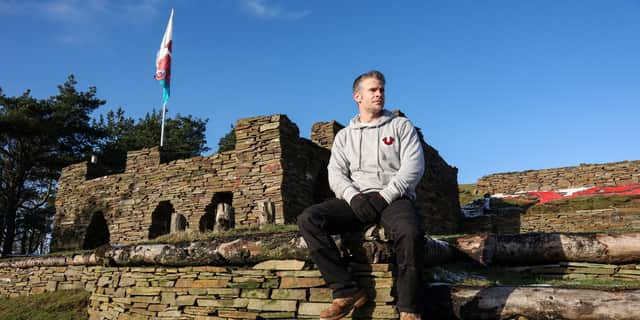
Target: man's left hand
(377,201)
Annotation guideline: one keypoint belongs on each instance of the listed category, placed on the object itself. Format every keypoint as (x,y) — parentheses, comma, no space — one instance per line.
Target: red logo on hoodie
(388,140)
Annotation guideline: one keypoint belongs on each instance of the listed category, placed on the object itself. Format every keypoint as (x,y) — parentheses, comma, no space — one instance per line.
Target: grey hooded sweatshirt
(384,156)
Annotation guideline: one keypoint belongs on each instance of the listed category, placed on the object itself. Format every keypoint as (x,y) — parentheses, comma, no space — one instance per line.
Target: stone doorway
(97,232)
(161,219)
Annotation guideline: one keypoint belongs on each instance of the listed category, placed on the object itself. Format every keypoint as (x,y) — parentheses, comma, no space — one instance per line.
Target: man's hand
(364,209)
(377,201)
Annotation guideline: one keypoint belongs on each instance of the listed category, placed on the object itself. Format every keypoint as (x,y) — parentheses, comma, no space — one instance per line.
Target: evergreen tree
(37,139)
(184,136)
(228,142)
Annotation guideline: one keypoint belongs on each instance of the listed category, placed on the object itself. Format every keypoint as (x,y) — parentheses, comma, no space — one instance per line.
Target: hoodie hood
(384,117)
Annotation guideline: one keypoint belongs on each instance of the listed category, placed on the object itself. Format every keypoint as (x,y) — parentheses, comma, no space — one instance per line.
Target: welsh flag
(163,60)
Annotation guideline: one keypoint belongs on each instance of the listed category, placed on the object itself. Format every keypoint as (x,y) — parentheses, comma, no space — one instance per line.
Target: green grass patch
(588,203)
(467,193)
(187,236)
(59,305)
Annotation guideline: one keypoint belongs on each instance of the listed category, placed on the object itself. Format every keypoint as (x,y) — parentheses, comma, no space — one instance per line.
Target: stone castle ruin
(272,171)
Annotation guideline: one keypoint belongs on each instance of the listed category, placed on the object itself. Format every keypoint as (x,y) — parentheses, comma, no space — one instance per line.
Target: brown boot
(340,307)
(409,316)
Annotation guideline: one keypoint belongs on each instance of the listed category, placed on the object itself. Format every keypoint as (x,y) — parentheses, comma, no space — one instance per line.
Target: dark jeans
(400,221)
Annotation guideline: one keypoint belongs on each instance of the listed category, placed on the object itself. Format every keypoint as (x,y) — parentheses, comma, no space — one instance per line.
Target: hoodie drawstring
(378,152)
(360,149)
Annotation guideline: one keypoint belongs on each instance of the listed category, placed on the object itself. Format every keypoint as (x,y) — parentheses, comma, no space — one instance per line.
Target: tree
(228,142)
(111,150)
(37,139)
(184,136)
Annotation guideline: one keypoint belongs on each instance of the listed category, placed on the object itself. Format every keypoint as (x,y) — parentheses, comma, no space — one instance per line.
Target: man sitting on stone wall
(376,163)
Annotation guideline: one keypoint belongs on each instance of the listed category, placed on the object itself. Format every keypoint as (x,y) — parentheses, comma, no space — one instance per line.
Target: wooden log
(227,250)
(531,303)
(35,262)
(543,248)
(522,249)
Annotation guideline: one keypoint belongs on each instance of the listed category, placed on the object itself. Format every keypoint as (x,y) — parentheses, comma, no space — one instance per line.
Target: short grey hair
(370,74)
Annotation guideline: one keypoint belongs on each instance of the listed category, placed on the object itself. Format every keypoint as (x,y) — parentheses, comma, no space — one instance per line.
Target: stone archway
(97,232)
(161,220)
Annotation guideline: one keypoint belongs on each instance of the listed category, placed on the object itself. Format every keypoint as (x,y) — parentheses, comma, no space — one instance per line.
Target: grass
(186,236)
(588,203)
(59,305)
(594,202)
(467,193)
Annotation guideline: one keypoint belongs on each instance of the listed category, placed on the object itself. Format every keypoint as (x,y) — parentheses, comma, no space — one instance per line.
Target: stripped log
(460,302)
(226,251)
(542,248)
(523,249)
(244,251)
(35,262)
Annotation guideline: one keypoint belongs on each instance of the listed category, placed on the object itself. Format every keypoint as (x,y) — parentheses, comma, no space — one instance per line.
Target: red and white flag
(163,60)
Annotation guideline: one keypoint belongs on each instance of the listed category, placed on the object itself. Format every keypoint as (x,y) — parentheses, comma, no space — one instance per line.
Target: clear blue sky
(495,86)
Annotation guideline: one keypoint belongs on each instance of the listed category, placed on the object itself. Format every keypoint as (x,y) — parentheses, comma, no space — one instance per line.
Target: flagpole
(163,70)
(164,110)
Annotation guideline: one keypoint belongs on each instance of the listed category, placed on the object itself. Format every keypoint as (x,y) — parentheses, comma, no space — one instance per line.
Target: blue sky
(496,86)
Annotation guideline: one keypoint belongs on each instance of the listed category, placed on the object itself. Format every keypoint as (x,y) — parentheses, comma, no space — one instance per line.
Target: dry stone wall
(251,174)
(584,175)
(596,220)
(306,180)
(127,200)
(615,218)
(259,167)
(437,194)
(323,133)
(275,289)
(272,289)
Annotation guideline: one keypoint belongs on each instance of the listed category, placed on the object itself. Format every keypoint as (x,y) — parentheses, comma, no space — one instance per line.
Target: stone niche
(271,167)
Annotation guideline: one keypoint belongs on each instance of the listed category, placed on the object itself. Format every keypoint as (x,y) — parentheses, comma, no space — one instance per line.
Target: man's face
(370,97)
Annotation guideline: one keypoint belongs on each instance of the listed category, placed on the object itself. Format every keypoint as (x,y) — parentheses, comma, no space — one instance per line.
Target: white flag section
(163,70)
